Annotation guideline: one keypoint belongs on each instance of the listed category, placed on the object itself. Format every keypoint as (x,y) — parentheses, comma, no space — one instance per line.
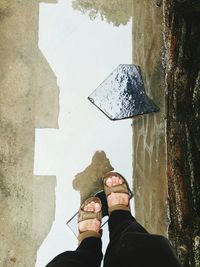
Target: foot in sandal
(117,191)
(89,220)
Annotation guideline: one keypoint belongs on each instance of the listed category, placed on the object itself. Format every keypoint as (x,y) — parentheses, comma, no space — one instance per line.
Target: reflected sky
(82,53)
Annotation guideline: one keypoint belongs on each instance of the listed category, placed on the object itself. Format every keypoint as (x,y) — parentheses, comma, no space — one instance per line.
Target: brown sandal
(121,188)
(87,215)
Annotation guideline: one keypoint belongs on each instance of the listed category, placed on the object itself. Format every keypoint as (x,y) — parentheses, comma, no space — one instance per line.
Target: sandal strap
(87,234)
(121,188)
(87,215)
(118,207)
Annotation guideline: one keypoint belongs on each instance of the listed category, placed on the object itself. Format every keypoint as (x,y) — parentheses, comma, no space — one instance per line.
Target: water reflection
(116,12)
(28,100)
(81,53)
(89,181)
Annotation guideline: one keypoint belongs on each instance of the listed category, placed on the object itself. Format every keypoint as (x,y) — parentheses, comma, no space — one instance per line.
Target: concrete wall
(166,145)
(149,146)
(28,100)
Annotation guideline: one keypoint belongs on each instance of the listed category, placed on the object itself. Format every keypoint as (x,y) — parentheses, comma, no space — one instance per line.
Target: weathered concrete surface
(43,194)
(169,172)
(28,99)
(182,43)
(149,148)
(89,181)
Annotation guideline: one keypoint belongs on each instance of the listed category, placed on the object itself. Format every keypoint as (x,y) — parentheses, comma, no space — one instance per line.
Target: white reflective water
(82,53)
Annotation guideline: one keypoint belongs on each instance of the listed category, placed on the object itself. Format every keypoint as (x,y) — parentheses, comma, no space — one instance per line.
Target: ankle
(88,234)
(118,207)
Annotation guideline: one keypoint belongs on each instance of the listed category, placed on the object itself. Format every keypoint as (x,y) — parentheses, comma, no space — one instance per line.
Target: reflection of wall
(150,184)
(89,181)
(115,12)
(28,99)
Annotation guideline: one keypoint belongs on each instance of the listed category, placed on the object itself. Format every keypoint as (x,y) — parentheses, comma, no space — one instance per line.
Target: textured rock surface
(28,99)
(182,43)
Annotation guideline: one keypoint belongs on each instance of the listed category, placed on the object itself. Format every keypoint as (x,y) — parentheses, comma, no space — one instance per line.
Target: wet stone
(122,95)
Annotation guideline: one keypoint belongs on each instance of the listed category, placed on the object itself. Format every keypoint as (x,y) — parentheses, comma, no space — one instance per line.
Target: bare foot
(91,224)
(116,198)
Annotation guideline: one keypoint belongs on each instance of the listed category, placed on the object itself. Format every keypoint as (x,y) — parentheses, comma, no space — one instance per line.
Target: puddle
(82,53)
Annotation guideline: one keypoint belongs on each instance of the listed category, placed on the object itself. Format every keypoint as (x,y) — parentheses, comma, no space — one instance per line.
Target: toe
(117,180)
(91,208)
(97,207)
(109,182)
(114,180)
(87,207)
(92,205)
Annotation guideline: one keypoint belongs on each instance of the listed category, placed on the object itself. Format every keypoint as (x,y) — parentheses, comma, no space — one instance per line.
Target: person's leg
(120,219)
(130,244)
(88,253)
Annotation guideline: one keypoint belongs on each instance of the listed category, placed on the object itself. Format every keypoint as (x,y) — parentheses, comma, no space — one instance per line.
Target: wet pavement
(81,52)
(78,48)
(149,143)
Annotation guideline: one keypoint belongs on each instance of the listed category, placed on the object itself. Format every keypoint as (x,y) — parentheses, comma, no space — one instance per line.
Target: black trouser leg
(88,254)
(119,223)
